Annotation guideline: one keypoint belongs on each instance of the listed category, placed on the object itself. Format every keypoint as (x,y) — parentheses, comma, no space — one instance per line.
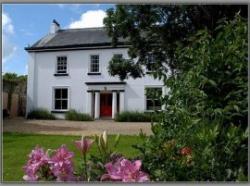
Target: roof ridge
(88,28)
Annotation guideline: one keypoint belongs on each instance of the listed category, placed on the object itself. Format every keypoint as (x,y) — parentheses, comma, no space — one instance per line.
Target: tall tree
(159,29)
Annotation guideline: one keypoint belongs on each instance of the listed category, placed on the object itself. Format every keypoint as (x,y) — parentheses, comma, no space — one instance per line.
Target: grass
(17,146)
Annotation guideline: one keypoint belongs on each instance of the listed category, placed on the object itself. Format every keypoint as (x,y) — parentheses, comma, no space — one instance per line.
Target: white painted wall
(41,79)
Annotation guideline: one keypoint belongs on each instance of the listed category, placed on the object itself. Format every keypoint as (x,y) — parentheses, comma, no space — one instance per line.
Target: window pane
(94,63)
(57,93)
(153,98)
(61,98)
(64,104)
(62,64)
(58,104)
(65,93)
(157,103)
(149,105)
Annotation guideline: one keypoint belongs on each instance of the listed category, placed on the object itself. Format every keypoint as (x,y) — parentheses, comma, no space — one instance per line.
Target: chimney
(55,26)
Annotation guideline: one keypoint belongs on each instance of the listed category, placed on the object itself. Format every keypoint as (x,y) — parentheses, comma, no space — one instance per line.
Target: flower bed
(57,165)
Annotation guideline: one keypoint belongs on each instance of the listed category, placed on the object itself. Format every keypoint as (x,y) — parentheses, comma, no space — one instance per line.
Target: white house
(67,69)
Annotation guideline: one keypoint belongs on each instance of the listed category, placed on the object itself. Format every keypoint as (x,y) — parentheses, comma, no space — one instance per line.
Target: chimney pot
(55,26)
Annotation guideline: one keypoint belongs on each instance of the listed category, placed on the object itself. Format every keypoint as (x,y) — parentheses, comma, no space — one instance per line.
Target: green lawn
(17,146)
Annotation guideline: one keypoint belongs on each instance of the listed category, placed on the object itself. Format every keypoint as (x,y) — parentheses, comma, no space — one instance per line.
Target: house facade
(67,69)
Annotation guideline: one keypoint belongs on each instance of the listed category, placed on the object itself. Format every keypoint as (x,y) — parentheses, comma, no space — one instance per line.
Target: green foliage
(157,28)
(40,114)
(76,116)
(107,152)
(124,68)
(14,78)
(206,111)
(130,116)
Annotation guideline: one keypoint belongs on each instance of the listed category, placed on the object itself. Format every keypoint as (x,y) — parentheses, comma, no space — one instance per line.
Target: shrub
(40,114)
(76,116)
(129,116)
(203,134)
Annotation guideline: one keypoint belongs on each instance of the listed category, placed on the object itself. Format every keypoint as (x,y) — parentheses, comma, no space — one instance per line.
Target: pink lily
(125,171)
(84,145)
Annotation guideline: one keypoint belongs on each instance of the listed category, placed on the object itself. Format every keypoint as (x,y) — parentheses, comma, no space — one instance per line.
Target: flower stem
(85,165)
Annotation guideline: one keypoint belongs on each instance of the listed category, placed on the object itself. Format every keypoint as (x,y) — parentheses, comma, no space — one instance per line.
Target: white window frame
(53,98)
(90,63)
(56,68)
(145,96)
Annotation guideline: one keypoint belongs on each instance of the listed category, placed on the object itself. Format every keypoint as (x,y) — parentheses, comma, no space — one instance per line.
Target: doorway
(106,104)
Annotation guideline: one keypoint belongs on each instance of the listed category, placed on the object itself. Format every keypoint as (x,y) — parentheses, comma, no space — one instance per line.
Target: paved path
(63,127)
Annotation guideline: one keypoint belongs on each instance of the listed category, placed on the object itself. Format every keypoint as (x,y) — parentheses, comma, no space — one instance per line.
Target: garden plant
(57,165)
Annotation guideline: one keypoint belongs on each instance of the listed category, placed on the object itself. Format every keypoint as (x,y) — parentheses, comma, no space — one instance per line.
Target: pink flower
(37,160)
(61,164)
(125,171)
(84,144)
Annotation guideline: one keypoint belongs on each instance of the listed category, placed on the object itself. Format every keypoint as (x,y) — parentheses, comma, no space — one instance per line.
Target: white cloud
(91,18)
(7,24)
(8,48)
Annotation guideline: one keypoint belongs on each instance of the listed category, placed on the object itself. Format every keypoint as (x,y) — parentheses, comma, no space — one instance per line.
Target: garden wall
(17,104)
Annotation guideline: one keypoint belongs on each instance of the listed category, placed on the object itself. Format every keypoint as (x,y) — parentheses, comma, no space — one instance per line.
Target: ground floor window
(153,95)
(60,98)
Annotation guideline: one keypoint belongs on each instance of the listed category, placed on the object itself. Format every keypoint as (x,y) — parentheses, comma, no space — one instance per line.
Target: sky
(24,24)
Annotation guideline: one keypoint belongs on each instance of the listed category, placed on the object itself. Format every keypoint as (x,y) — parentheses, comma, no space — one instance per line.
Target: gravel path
(64,127)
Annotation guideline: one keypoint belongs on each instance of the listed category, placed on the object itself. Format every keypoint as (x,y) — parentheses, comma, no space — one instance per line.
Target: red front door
(106,104)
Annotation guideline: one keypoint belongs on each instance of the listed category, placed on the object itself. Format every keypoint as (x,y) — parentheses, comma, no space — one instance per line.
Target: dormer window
(94,63)
(61,67)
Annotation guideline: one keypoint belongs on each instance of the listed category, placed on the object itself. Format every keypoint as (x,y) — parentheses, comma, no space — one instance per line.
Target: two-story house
(67,69)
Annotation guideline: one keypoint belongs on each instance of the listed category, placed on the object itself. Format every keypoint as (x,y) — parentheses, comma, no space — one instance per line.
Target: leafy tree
(202,134)
(158,29)
(206,111)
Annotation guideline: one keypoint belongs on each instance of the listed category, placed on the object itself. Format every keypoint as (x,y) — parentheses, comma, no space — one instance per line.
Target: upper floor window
(94,63)
(153,95)
(118,56)
(150,62)
(61,67)
(61,98)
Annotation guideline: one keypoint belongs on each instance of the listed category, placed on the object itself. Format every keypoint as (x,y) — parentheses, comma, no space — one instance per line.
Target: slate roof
(75,38)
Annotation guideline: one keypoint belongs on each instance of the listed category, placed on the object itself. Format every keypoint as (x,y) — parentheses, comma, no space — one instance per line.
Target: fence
(17,106)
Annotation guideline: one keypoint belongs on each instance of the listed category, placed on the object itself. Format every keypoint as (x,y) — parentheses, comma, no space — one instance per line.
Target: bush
(203,134)
(136,116)
(76,116)
(40,114)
